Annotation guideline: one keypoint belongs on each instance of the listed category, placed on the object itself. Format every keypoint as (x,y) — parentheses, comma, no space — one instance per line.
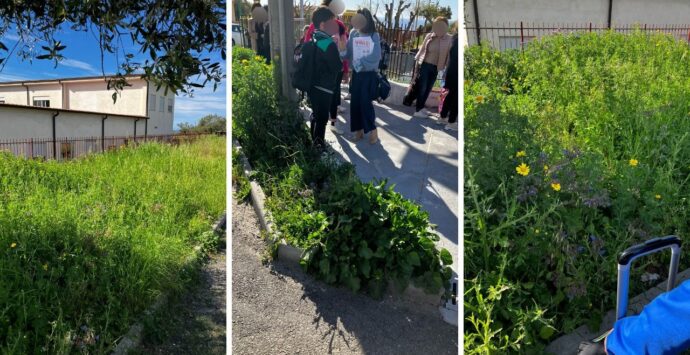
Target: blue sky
(83,59)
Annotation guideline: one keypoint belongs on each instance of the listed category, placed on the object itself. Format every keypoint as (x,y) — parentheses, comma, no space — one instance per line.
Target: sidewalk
(278,309)
(417,155)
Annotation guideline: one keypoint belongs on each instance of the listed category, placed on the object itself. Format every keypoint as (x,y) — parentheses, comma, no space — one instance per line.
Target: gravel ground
(193,323)
(280,310)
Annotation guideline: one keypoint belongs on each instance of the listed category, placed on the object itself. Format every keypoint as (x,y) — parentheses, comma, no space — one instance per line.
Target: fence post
(522,37)
(31,147)
(590,27)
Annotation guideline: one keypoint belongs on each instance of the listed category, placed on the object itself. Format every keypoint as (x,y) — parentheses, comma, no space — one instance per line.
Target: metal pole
(522,37)
(301,9)
(54,143)
(103,133)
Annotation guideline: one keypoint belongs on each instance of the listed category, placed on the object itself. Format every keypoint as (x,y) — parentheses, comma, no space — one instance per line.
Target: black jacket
(327,63)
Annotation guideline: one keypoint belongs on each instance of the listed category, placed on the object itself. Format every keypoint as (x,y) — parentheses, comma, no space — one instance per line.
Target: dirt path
(194,323)
(279,310)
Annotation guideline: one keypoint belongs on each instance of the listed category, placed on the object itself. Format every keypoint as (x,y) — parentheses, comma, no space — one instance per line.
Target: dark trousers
(362,91)
(450,105)
(335,102)
(426,80)
(320,103)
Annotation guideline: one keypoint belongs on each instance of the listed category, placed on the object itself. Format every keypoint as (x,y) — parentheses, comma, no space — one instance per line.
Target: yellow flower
(537,231)
(546,168)
(13,245)
(45,266)
(657,196)
(556,186)
(522,169)
(259,58)
(244,61)
(633,162)
(521,153)
(504,88)
(479,99)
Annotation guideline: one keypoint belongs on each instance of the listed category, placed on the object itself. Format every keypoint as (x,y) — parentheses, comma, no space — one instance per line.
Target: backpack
(385,55)
(304,55)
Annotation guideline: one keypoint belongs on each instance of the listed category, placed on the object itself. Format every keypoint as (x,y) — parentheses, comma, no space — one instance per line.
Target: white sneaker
(452,126)
(423,113)
(442,121)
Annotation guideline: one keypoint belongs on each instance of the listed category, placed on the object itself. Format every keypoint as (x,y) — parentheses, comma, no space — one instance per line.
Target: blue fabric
(368,63)
(362,89)
(663,327)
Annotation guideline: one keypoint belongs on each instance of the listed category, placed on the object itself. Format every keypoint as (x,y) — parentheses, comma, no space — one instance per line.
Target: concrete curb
(398,91)
(569,343)
(291,255)
(133,337)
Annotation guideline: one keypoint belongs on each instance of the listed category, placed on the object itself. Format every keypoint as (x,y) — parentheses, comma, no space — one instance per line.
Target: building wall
(20,123)
(52,92)
(15,94)
(509,13)
(160,121)
(95,96)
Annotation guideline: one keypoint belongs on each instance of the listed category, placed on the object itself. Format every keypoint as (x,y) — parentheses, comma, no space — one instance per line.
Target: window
(170,105)
(152,102)
(41,102)
(161,107)
(512,42)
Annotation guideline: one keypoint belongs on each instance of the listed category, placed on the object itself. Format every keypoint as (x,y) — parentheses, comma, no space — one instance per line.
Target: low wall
(24,122)
(398,91)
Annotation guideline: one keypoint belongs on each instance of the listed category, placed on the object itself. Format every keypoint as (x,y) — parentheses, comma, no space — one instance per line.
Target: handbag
(413,88)
(384,87)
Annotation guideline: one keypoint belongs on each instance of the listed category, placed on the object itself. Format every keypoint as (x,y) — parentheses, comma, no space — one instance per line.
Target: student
(337,7)
(327,67)
(430,60)
(364,52)
(450,104)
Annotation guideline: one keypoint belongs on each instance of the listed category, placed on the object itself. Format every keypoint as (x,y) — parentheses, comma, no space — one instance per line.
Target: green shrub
(355,234)
(87,245)
(601,121)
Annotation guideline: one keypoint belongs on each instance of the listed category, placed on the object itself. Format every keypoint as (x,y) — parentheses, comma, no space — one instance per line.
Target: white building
(83,107)
(498,21)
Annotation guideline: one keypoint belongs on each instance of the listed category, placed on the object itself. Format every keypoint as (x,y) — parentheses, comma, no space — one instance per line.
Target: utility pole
(280,18)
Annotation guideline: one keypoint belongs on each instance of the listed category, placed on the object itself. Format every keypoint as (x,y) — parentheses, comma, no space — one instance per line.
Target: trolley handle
(636,251)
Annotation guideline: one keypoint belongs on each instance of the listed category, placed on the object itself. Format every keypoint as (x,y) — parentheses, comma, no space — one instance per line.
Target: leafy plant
(359,235)
(575,150)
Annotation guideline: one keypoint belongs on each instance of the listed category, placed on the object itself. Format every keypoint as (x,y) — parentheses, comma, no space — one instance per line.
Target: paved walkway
(278,309)
(417,155)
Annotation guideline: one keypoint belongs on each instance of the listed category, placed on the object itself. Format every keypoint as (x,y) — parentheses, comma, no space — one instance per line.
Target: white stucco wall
(21,123)
(51,91)
(560,13)
(95,96)
(161,122)
(14,94)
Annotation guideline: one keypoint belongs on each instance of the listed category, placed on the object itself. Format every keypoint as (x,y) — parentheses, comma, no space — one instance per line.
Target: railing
(404,45)
(517,35)
(63,149)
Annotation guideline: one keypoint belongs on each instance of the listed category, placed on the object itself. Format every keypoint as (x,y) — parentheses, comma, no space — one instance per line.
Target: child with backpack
(318,70)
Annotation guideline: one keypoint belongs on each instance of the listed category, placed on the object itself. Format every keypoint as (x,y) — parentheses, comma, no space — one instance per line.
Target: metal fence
(404,45)
(63,149)
(517,35)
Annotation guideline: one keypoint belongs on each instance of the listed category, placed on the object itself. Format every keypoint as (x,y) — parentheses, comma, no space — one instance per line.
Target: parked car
(237,35)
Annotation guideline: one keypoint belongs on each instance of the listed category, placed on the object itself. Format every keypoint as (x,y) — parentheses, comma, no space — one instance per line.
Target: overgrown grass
(87,245)
(358,235)
(575,149)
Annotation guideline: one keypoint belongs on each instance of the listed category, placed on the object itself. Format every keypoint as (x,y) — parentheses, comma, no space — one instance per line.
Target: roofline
(55,109)
(51,81)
